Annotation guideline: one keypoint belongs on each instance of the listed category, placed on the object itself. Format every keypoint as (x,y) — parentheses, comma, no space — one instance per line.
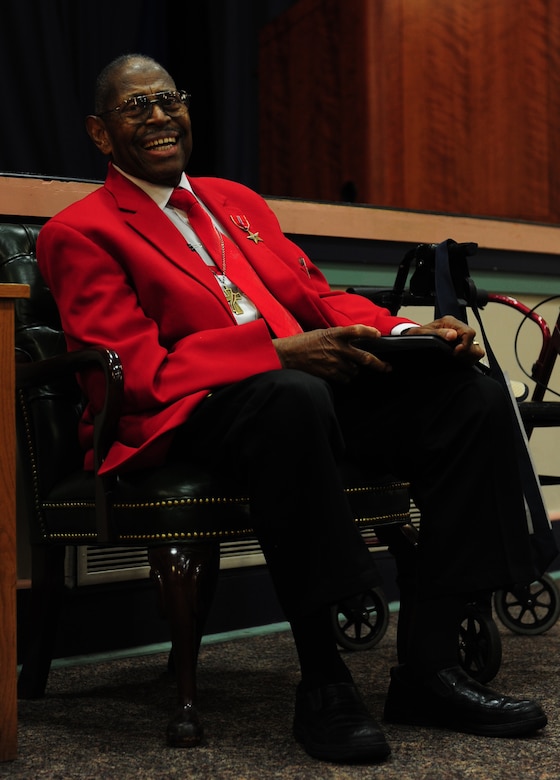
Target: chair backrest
(48,446)
(37,323)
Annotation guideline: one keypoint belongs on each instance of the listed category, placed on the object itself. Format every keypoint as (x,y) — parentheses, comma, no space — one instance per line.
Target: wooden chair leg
(47,584)
(186,575)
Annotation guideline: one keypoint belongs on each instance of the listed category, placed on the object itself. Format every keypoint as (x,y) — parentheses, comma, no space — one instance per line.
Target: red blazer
(122,277)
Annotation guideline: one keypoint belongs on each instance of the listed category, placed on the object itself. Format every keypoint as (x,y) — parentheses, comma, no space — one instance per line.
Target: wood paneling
(415,104)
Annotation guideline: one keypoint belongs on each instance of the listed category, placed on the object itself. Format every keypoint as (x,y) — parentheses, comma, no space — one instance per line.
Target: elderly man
(230,336)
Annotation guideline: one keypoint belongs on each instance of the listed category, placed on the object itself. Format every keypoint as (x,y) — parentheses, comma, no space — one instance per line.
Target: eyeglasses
(140,107)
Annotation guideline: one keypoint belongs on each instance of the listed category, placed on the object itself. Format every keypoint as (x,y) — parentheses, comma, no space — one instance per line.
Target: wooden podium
(8,574)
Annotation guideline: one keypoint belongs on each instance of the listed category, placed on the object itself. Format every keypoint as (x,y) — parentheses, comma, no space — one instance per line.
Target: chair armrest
(381,296)
(50,370)
(43,372)
(392,299)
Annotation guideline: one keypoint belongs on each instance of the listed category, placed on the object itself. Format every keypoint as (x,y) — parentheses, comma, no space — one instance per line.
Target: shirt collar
(159,193)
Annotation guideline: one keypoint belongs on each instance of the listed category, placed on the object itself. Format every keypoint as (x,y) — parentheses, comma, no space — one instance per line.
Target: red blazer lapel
(148,220)
(282,280)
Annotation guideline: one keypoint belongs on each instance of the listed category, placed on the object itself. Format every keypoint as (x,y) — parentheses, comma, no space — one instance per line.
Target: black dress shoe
(453,700)
(333,724)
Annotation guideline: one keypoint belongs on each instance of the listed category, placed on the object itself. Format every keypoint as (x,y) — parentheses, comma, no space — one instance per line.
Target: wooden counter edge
(37,198)
(14,291)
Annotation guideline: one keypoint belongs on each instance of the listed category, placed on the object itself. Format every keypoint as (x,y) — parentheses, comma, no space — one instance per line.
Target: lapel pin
(241,221)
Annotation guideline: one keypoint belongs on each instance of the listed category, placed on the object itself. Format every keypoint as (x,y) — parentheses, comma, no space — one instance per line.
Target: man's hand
(453,330)
(329,354)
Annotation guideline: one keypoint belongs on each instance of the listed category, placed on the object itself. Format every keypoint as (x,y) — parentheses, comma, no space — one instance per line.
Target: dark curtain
(52,50)
(50,53)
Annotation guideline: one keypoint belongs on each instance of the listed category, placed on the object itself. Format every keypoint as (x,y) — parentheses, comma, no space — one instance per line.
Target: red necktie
(231,261)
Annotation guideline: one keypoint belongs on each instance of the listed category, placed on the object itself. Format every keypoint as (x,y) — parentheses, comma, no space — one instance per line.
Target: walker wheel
(529,609)
(360,622)
(480,645)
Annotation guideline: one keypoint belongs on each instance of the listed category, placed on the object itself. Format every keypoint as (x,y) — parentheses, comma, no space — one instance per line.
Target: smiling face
(157,148)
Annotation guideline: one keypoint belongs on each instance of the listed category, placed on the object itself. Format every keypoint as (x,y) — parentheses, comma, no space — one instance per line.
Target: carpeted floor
(107,720)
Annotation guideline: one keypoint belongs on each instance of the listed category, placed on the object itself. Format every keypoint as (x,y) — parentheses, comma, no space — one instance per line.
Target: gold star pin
(241,221)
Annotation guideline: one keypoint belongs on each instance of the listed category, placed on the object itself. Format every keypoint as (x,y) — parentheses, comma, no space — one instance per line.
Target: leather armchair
(180,513)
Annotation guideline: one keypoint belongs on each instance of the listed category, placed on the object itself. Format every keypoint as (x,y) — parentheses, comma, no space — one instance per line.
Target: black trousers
(283,433)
